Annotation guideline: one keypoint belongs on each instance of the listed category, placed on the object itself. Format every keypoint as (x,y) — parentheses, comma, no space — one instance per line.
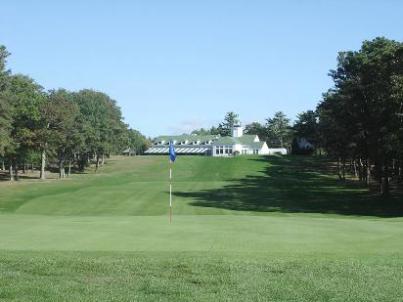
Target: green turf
(244,229)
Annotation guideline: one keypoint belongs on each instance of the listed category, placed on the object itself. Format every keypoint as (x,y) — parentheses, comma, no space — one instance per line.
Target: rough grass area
(244,229)
(28,276)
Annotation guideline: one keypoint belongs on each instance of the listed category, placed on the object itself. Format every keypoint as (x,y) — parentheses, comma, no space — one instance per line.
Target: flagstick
(170,192)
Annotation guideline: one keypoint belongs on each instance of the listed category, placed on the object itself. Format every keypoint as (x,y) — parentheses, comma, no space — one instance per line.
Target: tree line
(277,131)
(361,117)
(358,122)
(57,128)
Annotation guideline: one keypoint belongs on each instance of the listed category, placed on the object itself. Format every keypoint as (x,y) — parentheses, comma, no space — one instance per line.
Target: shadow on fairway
(51,173)
(296,184)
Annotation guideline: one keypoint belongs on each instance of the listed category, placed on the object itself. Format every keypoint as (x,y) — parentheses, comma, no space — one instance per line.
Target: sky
(174,66)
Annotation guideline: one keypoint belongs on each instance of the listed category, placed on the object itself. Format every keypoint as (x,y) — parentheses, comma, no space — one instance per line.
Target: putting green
(249,234)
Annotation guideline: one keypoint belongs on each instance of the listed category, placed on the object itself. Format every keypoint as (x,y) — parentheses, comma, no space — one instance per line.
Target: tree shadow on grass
(296,184)
(4,176)
(51,173)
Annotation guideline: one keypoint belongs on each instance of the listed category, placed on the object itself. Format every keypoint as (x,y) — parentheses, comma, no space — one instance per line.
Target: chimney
(237,131)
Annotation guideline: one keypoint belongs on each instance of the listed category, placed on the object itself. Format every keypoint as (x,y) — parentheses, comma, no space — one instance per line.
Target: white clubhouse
(215,145)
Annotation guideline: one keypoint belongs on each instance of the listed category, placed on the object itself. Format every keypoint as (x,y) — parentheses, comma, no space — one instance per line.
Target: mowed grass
(135,186)
(244,229)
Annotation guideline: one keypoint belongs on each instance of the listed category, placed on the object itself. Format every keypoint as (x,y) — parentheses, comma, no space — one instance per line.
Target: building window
(217,151)
(221,149)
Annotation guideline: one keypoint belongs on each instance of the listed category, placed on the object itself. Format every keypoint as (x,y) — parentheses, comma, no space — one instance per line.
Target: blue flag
(172,154)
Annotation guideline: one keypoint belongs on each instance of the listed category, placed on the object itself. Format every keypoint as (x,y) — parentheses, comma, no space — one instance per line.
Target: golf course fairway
(247,228)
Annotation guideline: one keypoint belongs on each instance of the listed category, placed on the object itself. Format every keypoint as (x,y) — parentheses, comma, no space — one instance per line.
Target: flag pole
(172,157)
(170,191)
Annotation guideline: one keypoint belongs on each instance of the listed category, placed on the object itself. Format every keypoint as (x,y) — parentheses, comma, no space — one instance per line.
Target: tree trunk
(97,163)
(24,168)
(82,161)
(361,170)
(17,177)
(43,164)
(62,173)
(11,171)
(396,169)
(69,169)
(343,167)
(339,169)
(355,169)
(3,166)
(385,180)
(103,159)
(368,172)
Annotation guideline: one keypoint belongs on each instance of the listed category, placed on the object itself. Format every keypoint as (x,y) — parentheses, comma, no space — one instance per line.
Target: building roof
(185,137)
(216,140)
(202,148)
(246,139)
(257,145)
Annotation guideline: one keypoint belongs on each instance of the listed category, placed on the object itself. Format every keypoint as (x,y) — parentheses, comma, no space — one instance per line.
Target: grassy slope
(244,229)
(137,186)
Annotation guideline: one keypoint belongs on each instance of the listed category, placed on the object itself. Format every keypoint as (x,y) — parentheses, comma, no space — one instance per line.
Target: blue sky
(177,65)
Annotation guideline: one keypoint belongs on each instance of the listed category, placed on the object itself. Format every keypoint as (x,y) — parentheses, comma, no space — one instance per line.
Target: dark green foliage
(214,131)
(202,131)
(306,127)
(258,129)
(5,125)
(3,71)
(230,120)
(223,129)
(5,106)
(360,118)
(136,142)
(279,131)
(26,98)
(57,126)
(101,123)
